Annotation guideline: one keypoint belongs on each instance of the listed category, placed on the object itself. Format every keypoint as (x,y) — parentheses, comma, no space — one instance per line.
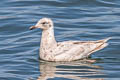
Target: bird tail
(105,40)
(102,44)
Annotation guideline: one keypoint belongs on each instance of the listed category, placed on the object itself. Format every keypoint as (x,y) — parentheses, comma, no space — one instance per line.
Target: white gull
(50,50)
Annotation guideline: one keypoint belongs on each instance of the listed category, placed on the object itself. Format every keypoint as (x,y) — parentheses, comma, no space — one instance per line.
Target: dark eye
(44,23)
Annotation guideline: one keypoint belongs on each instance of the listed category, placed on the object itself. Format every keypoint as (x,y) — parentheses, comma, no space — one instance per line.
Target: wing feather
(73,50)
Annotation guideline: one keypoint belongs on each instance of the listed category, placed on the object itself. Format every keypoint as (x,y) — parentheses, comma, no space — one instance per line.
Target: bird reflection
(76,70)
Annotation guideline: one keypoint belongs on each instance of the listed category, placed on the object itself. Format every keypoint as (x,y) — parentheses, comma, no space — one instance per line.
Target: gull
(51,50)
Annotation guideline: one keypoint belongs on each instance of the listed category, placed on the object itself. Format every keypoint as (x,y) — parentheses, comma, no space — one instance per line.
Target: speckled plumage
(50,50)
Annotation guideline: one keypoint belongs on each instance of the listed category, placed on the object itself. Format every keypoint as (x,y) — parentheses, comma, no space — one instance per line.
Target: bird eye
(44,23)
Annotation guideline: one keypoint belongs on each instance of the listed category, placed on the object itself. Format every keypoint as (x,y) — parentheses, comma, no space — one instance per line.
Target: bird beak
(32,27)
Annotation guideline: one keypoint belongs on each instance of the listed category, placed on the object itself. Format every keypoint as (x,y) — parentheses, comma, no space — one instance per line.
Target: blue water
(73,20)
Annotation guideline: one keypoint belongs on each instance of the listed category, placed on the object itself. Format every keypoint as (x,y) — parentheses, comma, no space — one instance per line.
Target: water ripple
(73,20)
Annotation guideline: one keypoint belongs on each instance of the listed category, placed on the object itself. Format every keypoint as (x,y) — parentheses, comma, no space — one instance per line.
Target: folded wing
(73,50)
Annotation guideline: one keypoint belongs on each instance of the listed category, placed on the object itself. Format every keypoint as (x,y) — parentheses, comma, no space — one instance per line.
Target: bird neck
(48,38)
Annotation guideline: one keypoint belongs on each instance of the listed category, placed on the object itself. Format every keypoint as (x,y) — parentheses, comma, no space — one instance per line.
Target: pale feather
(51,50)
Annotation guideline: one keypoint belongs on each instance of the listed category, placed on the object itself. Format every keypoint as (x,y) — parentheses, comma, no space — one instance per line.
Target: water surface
(73,20)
